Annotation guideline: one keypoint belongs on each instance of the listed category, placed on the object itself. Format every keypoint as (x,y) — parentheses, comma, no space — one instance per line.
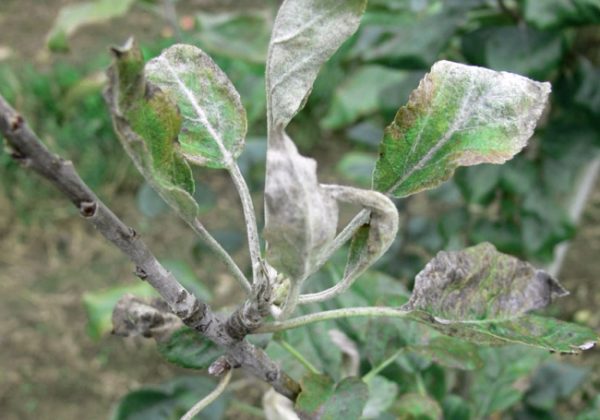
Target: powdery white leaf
(305,35)
(214,120)
(480,283)
(483,296)
(458,116)
(300,216)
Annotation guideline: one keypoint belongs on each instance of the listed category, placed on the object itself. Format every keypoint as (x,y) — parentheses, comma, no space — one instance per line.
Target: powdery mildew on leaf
(148,122)
(305,35)
(458,116)
(300,217)
(480,283)
(483,296)
(214,120)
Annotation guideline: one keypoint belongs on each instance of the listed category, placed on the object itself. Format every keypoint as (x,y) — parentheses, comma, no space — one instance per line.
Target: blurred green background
(56,274)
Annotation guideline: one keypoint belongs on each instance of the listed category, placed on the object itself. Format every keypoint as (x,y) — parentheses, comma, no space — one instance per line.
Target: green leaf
(483,296)
(148,124)
(498,385)
(559,13)
(238,35)
(458,116)
(305,35)
(357,167)
(188,349)
(417,407)
(322,399)
(397,38)
(450,352)
(99,305)
(213,119)
(170,401)
(518,49)
(455,408)
(72,17)
(382,394)
(359,95)
(553,381)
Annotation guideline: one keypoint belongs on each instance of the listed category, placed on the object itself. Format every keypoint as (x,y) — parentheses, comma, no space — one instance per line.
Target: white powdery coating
(300,217)
(207,98)
(305,35)
(495,99)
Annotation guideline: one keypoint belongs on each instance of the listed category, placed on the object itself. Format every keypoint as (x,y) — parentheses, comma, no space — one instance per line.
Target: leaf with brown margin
(483,296)
(148,124)
(459,115)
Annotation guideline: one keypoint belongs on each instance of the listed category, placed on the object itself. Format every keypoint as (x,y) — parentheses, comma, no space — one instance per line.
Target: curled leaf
(300,215)
(458,116)
(148,124)
(483,296)
(133,316)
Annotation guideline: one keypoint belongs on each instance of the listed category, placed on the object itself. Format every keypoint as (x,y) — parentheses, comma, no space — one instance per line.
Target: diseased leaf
(213,123)
(148,123)
(74,16)
(483,296)
(300,216)
(518,49)
(188,349)
(458,116)
(322,399)
(305,35)
(480,283)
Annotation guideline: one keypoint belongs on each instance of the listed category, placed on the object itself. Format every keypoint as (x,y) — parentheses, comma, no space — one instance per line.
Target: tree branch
(28,149)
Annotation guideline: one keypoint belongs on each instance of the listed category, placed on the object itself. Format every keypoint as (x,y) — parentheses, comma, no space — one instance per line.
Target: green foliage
(170,401)
(323,399)
(74,16)
(187,349)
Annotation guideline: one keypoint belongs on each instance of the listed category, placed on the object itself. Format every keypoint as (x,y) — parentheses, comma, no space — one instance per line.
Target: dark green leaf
(359,95)
(382,394)
(518,49)
(559,13)
(186,348)
(455,408)
(553,381)
(170,401)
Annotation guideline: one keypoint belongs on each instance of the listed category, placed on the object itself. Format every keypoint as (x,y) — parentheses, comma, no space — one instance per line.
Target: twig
(206,401)
(29,150)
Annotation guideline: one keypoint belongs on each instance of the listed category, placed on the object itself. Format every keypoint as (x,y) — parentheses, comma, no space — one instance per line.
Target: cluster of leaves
(400,360)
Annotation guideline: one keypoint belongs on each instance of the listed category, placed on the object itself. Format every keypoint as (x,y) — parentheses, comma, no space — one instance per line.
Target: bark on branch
(28,149)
